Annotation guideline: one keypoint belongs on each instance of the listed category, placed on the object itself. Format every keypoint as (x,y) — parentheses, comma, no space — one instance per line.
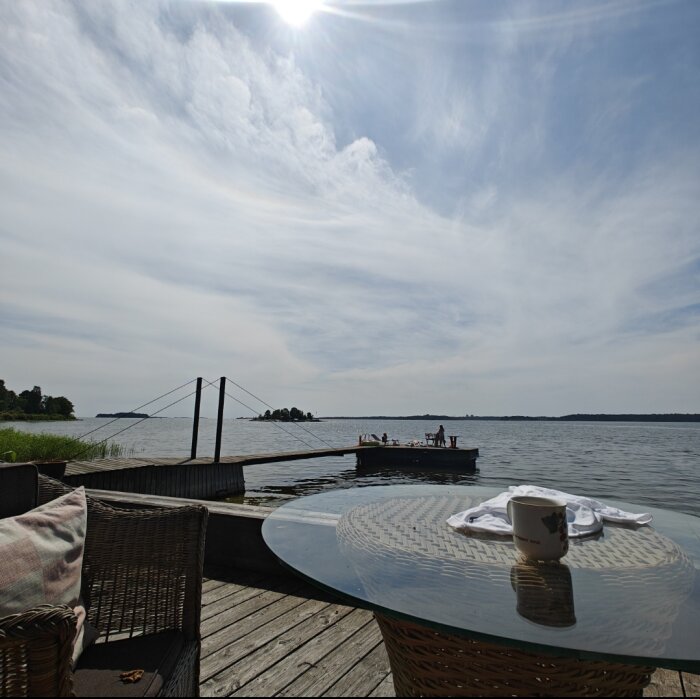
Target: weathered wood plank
(232,624)
(221,605)
(323,673)
(222,660)
(364,677)
(691,684)
(304,657)
(385,688)
(215,594)
(242,580)
(209,585)
(664,683)
(256,656)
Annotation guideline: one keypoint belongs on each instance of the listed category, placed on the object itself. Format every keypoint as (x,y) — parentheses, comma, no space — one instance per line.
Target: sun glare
(296,12)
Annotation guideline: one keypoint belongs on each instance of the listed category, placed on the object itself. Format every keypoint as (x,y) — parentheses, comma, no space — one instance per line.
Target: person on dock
(440,437)
(385,439)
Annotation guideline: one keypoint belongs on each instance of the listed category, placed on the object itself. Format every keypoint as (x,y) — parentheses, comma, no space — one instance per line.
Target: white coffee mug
(539,527)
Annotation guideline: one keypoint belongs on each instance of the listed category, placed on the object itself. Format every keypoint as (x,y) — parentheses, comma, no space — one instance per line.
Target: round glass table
(463,614)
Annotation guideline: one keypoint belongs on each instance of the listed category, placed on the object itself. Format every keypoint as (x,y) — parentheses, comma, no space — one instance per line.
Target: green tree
(58,406)
(34,404)
(31,401)
(296,414)
(8,398)
(286,415)
(65,406)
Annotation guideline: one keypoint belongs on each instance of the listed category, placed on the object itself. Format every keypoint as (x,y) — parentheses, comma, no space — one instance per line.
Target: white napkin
(584,516)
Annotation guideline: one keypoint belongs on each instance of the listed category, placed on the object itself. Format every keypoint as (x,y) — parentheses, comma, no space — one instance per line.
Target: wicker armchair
(141,583)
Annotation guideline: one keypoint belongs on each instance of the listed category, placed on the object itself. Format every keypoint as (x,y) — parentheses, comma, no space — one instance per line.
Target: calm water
(646,463)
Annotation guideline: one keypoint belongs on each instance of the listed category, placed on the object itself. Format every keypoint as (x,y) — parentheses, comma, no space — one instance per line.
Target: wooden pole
(195,426)
(220,418)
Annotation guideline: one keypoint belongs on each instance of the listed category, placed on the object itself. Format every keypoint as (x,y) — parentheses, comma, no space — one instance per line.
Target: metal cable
(134,410)
(299,425)
(274,422)
(128,427)
(208,385)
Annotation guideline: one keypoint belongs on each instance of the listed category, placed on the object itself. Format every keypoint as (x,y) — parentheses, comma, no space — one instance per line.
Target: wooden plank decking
(75,468)
(267,636)
(208,479)
(179,477)
(264,636)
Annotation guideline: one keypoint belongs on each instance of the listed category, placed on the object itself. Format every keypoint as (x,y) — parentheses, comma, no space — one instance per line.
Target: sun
(296,12)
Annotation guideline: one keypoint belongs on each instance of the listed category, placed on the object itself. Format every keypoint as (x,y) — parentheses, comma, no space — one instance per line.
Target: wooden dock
(422,458)
(74,468)
(275,636)
(201,478)
(206,479)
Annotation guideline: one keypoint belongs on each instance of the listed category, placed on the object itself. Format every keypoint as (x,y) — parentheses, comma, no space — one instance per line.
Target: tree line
(31,404)
(286,415)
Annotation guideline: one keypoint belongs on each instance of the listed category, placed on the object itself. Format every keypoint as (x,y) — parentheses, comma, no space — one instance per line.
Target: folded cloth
(584,516)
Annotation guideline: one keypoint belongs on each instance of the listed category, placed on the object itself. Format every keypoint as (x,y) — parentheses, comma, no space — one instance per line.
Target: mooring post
(220,418)
(195,426)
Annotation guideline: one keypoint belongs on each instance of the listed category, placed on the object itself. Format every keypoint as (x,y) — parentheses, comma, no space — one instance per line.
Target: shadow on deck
(264,635)
(272,636)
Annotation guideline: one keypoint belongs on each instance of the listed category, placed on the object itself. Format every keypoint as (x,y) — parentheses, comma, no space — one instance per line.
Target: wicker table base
(426,663)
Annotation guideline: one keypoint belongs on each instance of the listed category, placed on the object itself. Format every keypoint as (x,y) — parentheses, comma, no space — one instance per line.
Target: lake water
(645,463)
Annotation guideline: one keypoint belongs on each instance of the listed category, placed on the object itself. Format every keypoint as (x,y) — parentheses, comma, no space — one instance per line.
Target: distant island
(121,415)
(32,405)
(285,415)
(577,417)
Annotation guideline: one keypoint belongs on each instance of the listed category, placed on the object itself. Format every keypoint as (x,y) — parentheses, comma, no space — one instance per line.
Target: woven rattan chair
(141,583)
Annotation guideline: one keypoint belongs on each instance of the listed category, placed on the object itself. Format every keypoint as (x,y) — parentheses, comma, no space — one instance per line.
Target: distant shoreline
(127,415)
(34,417)
(578,417)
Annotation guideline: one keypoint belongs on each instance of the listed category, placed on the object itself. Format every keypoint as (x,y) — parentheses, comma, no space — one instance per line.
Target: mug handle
(509,510)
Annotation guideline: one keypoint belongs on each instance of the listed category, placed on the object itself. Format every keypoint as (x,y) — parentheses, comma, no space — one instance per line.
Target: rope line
(209,384)
(138,422)
(248,392)
(134,410)
(297,424)
(275,423)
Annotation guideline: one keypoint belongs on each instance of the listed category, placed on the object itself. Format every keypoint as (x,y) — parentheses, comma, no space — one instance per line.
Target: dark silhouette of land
(122,415)
(32,405)
(577,417)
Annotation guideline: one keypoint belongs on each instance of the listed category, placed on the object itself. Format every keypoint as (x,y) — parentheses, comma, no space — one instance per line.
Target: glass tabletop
(629,595)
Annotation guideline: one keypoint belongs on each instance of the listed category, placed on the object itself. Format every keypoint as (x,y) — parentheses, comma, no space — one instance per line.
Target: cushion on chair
(99,668)
(42,556)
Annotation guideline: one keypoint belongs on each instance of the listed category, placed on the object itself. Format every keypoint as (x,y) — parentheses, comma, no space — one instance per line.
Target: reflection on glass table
(465,615)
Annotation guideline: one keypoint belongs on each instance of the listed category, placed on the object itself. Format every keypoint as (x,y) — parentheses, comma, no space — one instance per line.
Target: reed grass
(24,446)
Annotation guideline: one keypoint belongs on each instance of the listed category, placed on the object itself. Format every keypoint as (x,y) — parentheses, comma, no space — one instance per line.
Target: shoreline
(36,418)
(578,417)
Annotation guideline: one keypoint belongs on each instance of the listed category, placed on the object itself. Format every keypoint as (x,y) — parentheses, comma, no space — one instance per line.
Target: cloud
(178,201)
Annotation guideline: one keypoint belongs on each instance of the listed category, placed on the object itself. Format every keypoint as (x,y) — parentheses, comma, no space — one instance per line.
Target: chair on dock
(141,586)
(430,438)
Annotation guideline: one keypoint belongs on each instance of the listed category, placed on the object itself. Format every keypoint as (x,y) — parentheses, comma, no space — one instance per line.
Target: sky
(451,207)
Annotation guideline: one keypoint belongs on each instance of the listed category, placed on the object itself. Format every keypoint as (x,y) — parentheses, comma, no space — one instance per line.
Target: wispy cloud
(181,197)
